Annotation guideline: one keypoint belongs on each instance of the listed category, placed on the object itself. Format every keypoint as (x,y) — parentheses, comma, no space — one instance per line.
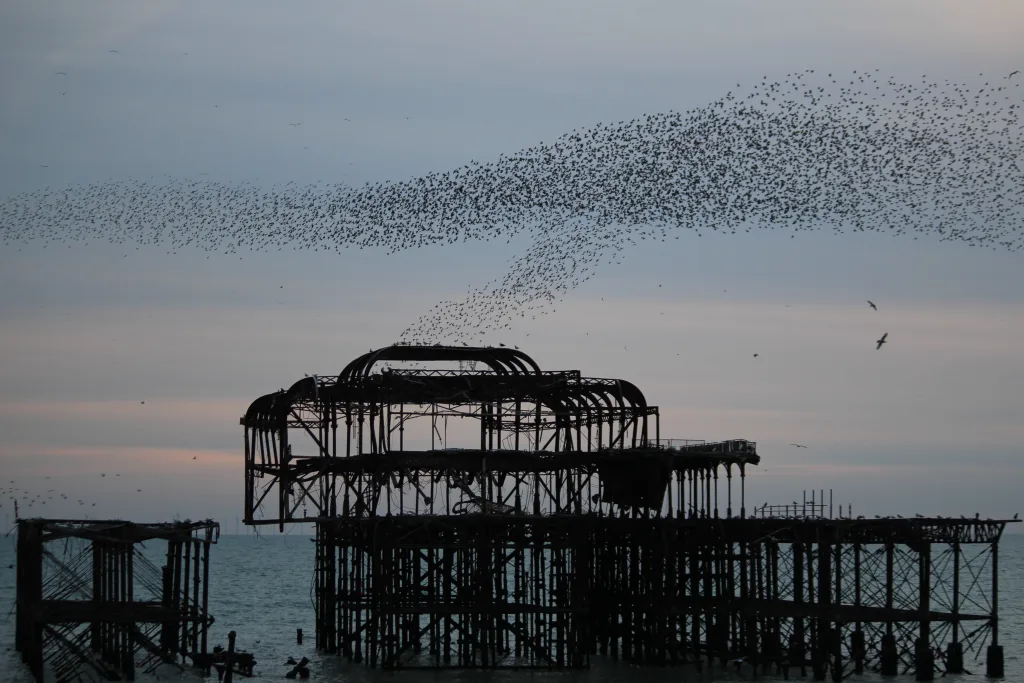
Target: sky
(931,423)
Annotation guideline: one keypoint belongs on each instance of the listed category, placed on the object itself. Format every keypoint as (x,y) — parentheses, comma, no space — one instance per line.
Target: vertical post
(955,649)
(716,491)
(728,474)
(924,660)
(889,658)
(206,592)
(185,608)
(994,656)
(129,594)
(229,661)
(96,628)
(743,491)
(29,633)
(796,642)
(196,622)
(820,654)
(858,644)
(166,632)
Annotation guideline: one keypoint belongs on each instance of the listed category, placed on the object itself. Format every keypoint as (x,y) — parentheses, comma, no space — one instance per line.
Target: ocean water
(261,587)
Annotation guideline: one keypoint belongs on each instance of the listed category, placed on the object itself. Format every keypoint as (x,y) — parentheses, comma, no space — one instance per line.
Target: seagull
(60,73)
(738,662)
(872,306)
(295,124)
(115,51)
(881,341)
(1012,74)
(755,355)
(797,445)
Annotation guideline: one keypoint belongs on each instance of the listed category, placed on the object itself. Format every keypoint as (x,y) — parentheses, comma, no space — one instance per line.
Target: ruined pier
(563,526)
(94,603)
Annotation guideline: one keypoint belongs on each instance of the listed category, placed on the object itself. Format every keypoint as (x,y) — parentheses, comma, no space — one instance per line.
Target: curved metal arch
(500,360)
(261,412)
(596,395)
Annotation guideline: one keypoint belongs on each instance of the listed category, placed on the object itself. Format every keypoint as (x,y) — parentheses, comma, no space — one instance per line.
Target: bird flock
(858,152)
(22,499)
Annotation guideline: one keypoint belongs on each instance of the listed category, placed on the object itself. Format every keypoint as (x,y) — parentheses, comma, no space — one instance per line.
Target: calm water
(261,588)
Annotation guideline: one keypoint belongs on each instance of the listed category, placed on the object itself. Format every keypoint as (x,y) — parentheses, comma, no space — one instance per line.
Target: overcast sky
(930,423)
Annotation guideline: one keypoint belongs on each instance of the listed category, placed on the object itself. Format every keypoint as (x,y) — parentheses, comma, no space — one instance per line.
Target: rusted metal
(566,527)
(92,605)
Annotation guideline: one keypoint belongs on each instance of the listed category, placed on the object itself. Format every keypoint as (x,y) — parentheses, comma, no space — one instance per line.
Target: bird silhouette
(872,306)
(881,341)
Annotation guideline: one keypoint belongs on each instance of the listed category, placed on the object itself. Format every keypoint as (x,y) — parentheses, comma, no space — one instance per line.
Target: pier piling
(566,527)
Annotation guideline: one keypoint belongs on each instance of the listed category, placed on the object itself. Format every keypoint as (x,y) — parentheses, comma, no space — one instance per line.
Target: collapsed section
(94,602)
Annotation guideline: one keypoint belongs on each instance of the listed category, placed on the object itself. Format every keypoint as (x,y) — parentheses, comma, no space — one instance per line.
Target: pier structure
(96,604)
(564,526)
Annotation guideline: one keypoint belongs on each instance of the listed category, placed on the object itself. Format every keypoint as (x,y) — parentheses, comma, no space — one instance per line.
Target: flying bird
(60,73)
(797,445)
(803,152)
(881,341)
(1012,74)
(872,306)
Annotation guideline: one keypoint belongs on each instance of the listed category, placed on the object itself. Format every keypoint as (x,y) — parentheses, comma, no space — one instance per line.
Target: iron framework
(566,527)
(92,603)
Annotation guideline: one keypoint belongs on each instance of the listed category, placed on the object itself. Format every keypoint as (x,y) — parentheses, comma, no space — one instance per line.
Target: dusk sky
(930,423)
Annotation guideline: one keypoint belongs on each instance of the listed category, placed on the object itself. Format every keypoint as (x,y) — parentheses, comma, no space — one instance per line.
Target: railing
(731,446)
(816,506)
(792,511)
(675,443)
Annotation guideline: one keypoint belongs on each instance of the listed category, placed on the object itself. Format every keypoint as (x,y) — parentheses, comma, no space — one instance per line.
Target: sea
(261,588)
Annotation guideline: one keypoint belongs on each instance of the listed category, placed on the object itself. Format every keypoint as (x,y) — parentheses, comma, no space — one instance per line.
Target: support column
(889,657)
(994,656)
(955,649)
(924,659)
